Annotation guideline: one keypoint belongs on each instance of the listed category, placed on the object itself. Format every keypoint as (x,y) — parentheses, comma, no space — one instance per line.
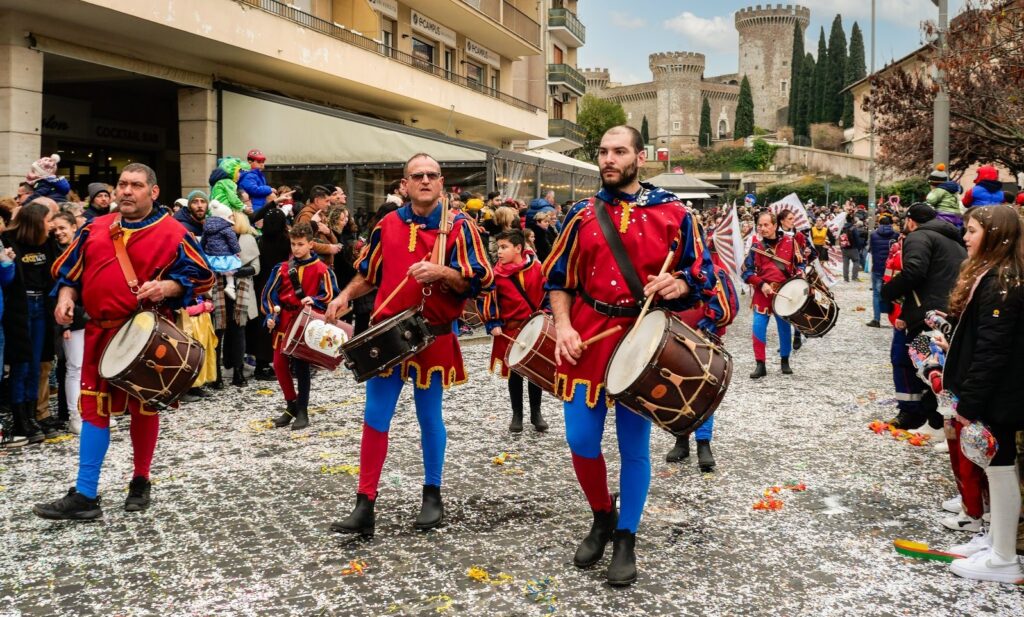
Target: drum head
(791,297)
(634,353)
(127,344)
(526,339)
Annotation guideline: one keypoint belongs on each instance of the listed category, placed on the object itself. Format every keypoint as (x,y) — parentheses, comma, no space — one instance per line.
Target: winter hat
(938,174)
(95,188)
(985,172)
(465,196)
(196,194)
(921,212)
(219,210)
(181,202)
(46,166)
(473,204)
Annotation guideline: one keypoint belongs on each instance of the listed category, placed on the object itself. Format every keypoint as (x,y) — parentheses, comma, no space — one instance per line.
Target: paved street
(240,514)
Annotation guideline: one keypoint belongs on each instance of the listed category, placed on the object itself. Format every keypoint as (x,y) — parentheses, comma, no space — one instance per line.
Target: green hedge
(840,189)
(759,158)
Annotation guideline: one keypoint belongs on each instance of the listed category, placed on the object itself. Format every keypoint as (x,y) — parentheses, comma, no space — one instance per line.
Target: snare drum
(313,340)
(812,310)
(386,344)
(669,373)
(532,355)
(152,360)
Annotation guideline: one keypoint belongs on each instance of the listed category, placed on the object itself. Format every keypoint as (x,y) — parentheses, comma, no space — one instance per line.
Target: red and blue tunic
(759,269)
(650,224)
(317,281)
(403,238)
(160,248)
(504,306)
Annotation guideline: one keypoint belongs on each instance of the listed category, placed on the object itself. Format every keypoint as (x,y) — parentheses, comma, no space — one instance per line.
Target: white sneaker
(986,566)
(980,542)
(954,504)
(936,434)
(962,522)
(941,446)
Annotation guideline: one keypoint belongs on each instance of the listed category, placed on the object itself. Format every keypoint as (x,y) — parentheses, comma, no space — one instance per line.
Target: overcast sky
(620,35)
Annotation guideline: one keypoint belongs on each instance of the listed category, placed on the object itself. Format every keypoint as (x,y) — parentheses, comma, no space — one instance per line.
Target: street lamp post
(871,121)
(940,152)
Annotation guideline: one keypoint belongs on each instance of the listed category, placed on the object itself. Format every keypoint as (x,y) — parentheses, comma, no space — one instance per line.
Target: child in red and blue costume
(765,274)
(517,293)
(281,303)
(174,270)
(401,252)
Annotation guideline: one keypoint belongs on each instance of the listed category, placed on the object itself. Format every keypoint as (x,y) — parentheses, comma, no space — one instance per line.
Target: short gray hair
(141,167)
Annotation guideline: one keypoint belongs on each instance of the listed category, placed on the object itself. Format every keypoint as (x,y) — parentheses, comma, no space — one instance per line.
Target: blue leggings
(381,398)
(584,428)
(705,430)
(761,336)
(92,448)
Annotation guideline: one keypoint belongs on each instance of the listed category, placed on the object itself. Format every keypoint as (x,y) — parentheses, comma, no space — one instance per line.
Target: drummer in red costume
(589,294)
(773,259)
(400,248)
(517,293)
(169,260)
(787,226)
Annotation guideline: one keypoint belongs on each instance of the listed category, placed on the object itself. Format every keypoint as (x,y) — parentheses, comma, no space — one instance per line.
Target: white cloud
(703,35)
(629,22)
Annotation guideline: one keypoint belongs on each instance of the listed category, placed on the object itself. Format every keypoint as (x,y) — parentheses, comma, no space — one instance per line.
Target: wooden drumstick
(650,298)
(390,297)
(603,335)
(513,340)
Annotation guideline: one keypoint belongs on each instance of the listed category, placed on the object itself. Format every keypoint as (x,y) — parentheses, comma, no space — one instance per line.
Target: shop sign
(431,28)
(483,54)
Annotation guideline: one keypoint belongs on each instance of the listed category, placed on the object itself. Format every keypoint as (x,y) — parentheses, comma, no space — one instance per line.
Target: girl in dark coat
(983,371)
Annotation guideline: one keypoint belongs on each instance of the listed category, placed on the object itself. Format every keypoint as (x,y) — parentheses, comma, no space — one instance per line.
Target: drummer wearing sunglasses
(401,262)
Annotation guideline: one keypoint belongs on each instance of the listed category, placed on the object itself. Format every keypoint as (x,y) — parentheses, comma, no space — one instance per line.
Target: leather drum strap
(519,287)
(117,236)
(611,236)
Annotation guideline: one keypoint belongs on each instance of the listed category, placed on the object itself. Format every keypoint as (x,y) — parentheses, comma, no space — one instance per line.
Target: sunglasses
(429,175)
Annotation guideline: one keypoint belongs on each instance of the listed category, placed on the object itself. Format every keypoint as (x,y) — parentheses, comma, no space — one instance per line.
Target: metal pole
(941,130)
(871,129)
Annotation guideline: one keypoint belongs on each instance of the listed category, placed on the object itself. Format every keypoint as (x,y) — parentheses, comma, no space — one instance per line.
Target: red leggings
(970,479)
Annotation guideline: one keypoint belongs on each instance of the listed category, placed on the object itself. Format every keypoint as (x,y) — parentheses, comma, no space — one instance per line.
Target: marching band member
(401,246)
(772,260)
(303,280)
(159,247)
(590,294)
(517,293)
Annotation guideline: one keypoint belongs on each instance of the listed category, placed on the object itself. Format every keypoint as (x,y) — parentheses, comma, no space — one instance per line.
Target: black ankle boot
(432,510)
(33,432)
(797,340)
(286,418)
(591,549)
(361,520)
(537,421)
(264,372)
(301,417)
(759,372)
(238,378)
(785,367)
(138,494)
(72,507)
(705,460)
(680,451)
(516,425)
(622,569)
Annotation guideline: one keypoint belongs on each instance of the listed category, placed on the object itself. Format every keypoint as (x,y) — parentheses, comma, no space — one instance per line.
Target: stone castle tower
(678,73)
(765,50)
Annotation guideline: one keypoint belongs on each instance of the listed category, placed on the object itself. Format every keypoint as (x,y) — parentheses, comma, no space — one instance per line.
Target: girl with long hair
(983,371)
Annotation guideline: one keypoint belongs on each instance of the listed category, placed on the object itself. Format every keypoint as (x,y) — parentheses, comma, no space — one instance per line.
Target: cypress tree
(833,105)
(704,135)
(795,65)
(805,103)
(817,113)
(644,131)
(855,71)
(744,125)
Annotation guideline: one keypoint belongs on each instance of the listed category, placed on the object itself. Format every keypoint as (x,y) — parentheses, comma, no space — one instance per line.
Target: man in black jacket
(932,254)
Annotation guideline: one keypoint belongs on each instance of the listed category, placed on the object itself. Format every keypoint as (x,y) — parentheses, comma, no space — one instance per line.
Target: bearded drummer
(173,271)
(787,226)
(398,256)
(773,259)
(589,294)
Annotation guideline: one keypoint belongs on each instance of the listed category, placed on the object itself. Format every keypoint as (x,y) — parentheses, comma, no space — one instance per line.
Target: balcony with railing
(341,33)
(564,76)
(520,23)
(559,127)
(566,27)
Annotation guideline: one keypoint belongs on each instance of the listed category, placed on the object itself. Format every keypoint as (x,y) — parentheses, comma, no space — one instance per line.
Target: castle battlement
(677,62)
(768,14)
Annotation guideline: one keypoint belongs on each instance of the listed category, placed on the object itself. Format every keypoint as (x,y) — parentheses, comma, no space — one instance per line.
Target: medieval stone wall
(765,50)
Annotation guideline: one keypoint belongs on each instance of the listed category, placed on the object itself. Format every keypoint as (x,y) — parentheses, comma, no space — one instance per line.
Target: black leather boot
(72,507)
(680,451)
(301,417)
(591,549)
(797,339)
(785,367)
(286,418)
(432,510)
(238,378)
(622,569)
(138,494)
(705,460)
(516,425)
(537,420)
(759,372)
(361,521)
(33,432)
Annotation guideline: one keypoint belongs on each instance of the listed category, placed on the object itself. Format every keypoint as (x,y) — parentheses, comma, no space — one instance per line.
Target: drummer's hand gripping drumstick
(603,335)
(647,303)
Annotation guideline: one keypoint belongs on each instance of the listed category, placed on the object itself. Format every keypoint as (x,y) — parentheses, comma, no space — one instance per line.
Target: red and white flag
(729,244)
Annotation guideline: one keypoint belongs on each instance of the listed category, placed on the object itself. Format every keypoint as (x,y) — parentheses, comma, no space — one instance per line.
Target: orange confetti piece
(356,566)
(878,426)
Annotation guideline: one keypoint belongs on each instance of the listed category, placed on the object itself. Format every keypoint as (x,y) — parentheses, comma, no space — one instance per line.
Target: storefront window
(423,54)
(475,73)
(558,181)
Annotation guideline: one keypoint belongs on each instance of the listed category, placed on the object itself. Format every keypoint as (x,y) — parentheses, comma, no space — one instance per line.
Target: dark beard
(628,177)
